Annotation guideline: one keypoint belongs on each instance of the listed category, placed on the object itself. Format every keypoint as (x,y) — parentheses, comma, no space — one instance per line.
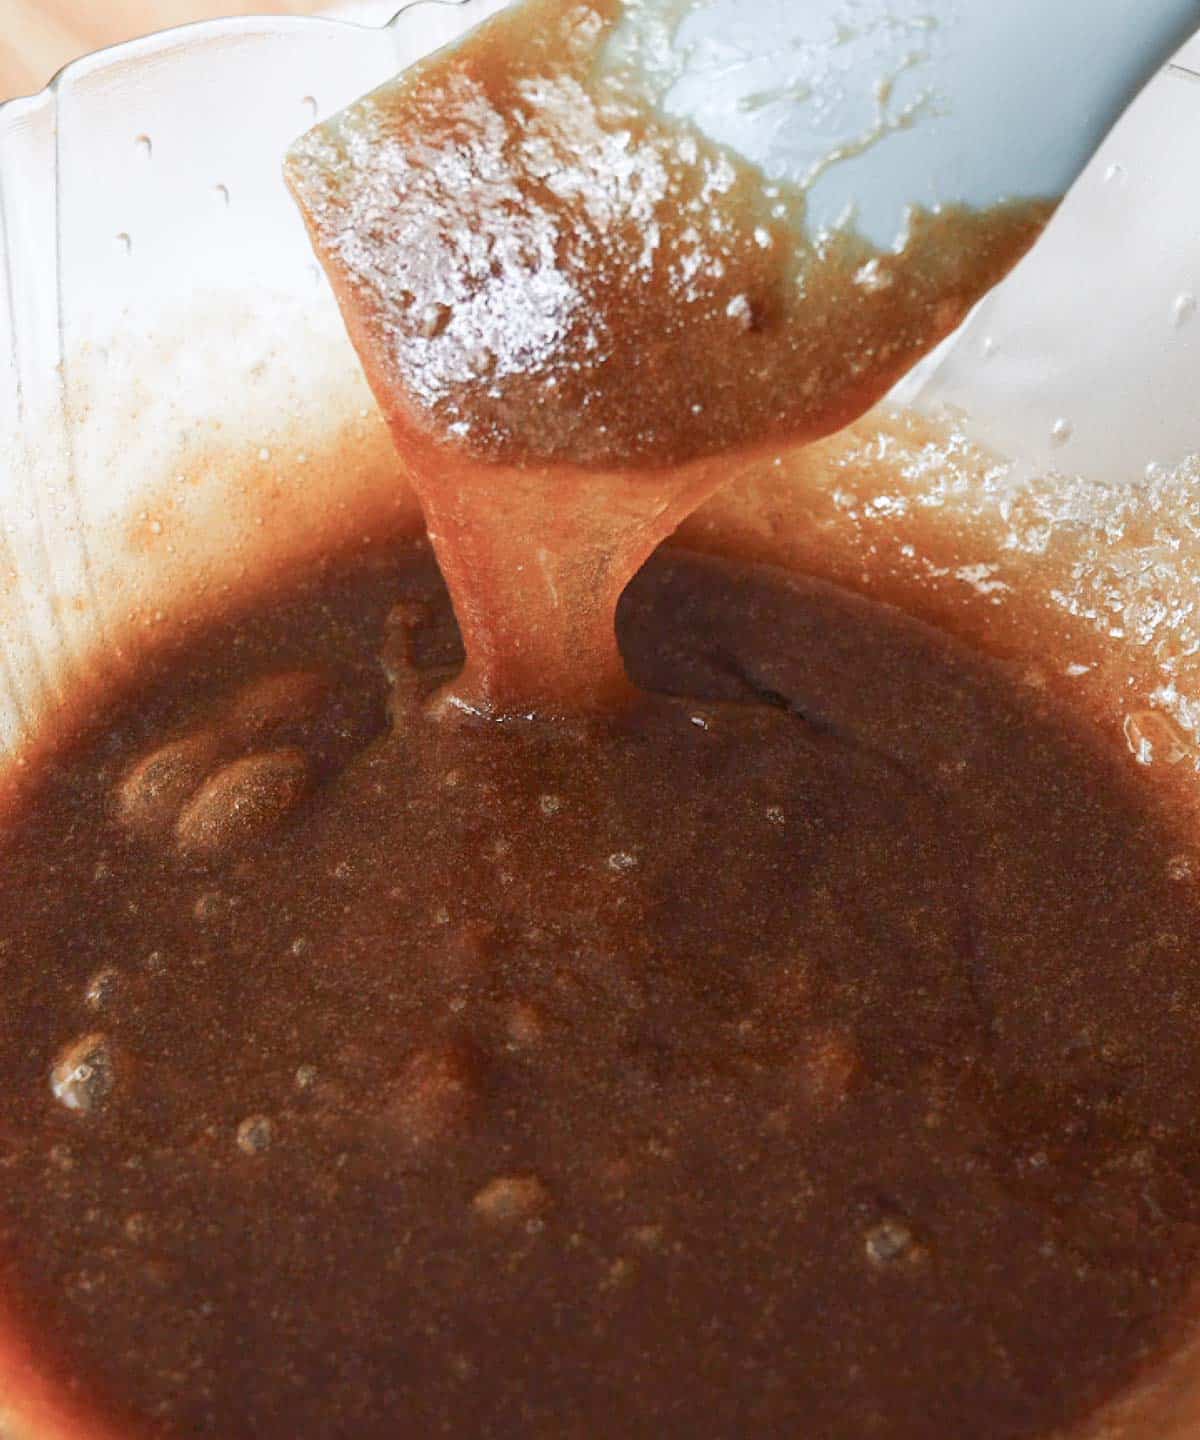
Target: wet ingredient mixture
(580,318)
(429,1019)
(809,1047)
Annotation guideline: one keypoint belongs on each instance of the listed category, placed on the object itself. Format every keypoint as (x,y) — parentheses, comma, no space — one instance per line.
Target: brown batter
(815,1053)
(796,1037)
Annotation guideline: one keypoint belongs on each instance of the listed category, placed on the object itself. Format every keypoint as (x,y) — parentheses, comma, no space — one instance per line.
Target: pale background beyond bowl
(38,37)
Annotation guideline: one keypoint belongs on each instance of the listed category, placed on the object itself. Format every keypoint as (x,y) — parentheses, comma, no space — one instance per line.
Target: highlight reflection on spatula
(875,106)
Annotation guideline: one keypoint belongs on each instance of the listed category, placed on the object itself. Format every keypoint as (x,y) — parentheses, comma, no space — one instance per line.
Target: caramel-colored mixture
(812,1054)
(430,1012)
(580,318)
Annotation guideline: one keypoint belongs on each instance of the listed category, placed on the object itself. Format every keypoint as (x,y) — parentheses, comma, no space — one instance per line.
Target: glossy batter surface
(785,1026)
(815,1052)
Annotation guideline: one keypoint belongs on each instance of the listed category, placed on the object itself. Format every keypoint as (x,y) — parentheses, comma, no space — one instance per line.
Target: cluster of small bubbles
(84,1074)
(254,1134)
(621,861)
(890,1243)
(306,1077)
(775,814)
(550,804)
(102,988)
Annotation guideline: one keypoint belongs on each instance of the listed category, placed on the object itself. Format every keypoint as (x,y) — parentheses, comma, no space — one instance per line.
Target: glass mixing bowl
(159,289)
(178,402)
